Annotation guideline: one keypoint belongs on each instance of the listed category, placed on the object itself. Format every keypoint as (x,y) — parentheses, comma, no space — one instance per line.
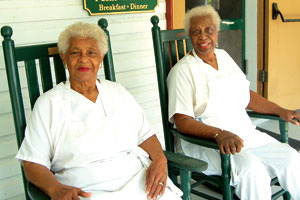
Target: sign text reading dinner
(132,6)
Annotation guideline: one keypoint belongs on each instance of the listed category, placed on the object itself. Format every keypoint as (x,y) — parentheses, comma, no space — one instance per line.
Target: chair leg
(226,170)
(172,175)
(284,129)
(287,196)
(185,185)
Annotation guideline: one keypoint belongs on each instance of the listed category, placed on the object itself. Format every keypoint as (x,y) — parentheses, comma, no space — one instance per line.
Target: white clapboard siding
(41,21)
(12,187)
(10,166)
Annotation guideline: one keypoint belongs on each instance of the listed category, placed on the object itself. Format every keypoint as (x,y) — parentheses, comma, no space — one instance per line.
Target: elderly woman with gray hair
(208,97)
(89,138)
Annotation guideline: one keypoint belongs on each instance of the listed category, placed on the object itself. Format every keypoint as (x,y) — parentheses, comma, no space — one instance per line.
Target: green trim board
(101,7)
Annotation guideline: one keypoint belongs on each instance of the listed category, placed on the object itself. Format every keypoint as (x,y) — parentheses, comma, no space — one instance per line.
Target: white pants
(256,166)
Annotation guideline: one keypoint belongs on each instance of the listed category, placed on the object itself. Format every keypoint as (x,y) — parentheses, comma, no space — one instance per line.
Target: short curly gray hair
(201,11)
(83,30)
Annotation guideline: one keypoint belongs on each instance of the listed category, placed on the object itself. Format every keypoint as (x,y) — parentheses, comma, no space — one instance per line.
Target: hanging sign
(102,7)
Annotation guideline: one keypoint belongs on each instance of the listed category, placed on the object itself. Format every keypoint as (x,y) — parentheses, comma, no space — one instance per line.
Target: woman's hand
(229,143)
(156,175)
(290,116)
(156,178)
(64,192)
(45,180)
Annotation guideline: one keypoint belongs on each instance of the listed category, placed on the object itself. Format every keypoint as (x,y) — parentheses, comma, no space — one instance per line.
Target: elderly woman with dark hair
(92,134)
(208,97)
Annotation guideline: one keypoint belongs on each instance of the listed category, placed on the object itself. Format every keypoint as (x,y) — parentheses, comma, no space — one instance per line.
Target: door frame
(260,44)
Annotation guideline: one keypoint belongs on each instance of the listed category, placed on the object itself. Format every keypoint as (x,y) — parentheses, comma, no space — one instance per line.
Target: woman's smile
(204,45)
(83,69)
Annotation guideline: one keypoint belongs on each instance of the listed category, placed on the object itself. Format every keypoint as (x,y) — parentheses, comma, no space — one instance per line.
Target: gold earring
(100,66)
(65,66)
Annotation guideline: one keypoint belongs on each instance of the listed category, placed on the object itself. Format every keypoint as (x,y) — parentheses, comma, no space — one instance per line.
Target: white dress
(219,98)
(92,146)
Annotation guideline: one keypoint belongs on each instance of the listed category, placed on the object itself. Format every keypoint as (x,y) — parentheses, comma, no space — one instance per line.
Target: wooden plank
(11,187)
(5,105)
(8,146)
(132,42)
(137,78)
(18,197)
(133,60)
(26,11)
(32,34)
(3,78)
(9,167)
(145,94)
(127,41)
(7,125)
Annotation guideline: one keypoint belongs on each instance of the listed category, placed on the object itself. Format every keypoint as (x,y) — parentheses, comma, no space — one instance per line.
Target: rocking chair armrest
(263,116)
(225,158)
(195,140)
(35,193)
(283,125)
(185,162)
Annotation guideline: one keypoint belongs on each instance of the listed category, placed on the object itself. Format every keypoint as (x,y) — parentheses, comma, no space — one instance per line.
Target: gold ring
(160,183)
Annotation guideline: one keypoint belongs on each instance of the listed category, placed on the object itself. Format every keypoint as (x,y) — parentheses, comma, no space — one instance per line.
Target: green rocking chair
(43,54)
(169,47)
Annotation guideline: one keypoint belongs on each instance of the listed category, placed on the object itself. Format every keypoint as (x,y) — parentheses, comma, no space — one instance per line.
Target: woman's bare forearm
(262,105)
(40,176)
(153,147)
(188,125)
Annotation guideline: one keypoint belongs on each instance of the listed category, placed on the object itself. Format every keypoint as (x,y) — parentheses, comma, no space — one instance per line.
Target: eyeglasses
(209,30)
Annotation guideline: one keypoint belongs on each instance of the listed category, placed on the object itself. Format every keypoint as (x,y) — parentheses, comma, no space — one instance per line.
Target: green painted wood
(226,175)
(33,52)
(173,51)
(189,45)
(278,194)
(180,46)
(35,193)
(287,196)
(185,177)
(14,89)
(175,34)
(161,78)
(32,81)
(108,59)
(185,162)
(284,129)
(195,140)
(119,6)
(60,73)
(262,116)
(166,56)
(45,71)
(283,125)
